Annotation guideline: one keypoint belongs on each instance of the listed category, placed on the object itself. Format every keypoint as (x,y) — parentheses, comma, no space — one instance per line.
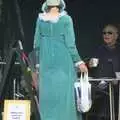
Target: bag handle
(84,76)
(84,83)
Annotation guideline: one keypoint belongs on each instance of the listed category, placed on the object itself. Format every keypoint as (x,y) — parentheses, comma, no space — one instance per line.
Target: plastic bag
(83,93)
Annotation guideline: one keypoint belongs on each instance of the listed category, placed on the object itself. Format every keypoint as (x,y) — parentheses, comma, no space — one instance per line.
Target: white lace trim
(54,20)
(79,63)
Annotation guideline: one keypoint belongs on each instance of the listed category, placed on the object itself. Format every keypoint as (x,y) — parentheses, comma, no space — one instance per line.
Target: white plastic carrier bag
(83,93)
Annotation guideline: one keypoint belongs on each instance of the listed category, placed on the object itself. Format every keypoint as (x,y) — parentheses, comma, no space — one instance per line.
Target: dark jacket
(109,61)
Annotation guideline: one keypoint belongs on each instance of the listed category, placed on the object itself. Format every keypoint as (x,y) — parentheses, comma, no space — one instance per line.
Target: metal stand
(14,89)
(119,103)
(15,82)
(111,96)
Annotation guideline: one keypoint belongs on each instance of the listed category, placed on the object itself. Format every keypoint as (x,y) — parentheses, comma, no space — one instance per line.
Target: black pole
(18,12)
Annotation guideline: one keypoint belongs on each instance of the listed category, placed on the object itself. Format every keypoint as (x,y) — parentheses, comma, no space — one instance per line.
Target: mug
(93,62)
(117,75)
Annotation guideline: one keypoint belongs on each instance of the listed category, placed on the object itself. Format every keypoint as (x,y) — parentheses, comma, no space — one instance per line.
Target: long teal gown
(57,55)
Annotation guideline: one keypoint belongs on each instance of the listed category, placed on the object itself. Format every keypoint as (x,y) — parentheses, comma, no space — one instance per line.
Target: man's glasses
(109,33)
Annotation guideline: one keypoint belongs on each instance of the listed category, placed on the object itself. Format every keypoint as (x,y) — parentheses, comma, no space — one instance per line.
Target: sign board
(16,110)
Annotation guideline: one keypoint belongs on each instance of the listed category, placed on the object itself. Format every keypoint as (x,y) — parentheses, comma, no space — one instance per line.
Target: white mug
(117,75)
(94,62)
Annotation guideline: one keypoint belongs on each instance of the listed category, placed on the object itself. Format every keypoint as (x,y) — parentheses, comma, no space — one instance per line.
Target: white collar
(42,17)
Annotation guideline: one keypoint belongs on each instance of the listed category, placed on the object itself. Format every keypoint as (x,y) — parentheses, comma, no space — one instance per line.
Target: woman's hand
(83,67)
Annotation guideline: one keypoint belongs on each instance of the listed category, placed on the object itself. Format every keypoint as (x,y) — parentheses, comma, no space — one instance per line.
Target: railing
(111,95)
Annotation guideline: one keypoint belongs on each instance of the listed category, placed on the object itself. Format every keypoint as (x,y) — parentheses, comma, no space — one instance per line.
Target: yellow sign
(16,110)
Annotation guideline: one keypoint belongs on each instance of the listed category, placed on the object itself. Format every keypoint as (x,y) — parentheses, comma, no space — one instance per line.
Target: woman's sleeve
(36,44)
(70,40)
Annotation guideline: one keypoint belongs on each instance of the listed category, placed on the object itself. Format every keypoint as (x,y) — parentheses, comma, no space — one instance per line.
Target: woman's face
(110,35)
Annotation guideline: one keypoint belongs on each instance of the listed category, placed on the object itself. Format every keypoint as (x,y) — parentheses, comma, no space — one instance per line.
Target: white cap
(53,2)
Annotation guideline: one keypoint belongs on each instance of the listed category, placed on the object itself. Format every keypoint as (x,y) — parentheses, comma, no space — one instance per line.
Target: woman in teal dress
(58,56)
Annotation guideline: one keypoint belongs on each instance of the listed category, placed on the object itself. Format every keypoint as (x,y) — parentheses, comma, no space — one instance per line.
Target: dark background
(18,18)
